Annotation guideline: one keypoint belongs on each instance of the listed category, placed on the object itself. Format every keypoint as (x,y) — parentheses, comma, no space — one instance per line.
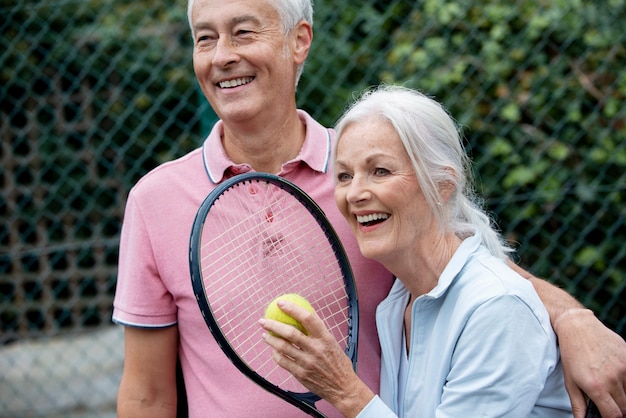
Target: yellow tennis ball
(275,313)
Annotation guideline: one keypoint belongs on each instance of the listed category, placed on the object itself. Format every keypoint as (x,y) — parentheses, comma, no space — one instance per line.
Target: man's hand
(594,363)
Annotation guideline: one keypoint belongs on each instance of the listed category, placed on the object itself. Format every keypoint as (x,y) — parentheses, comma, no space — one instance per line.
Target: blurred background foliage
(95,93)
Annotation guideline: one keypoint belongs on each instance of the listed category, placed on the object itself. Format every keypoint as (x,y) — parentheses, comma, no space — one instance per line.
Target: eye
(204,39)
(244,32)
(343,177)
(381,172)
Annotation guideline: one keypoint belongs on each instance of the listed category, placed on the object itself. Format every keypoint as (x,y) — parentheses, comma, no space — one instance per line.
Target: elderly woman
(461,334)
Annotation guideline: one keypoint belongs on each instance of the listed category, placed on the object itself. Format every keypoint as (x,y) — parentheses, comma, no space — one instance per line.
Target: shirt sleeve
(376,408)
(141,298)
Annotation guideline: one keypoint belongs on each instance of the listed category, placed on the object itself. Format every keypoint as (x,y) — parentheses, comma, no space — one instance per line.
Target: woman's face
(378,193)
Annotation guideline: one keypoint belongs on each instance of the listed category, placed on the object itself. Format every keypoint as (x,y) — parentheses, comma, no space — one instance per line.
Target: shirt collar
(315,151)
(456,264)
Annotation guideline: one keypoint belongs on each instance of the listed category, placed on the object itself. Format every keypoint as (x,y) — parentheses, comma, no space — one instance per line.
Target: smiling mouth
(228,84)
(372,219)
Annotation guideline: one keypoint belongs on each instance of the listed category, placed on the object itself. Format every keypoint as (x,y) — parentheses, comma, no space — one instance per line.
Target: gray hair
(291,12)
(433,142)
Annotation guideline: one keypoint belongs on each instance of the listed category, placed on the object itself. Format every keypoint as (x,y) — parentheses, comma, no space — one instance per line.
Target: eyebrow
(369,158)
(234,21)
(245,18)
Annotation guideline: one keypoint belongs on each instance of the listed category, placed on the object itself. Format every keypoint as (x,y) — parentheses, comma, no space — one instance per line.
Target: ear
(302,38)
(447,188)
(446,191)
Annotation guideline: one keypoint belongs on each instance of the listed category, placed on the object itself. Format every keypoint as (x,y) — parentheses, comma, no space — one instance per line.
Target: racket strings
(257,249)
(251,229)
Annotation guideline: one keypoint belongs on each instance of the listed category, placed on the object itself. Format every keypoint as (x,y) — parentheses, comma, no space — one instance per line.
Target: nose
(225,52)
(357,191)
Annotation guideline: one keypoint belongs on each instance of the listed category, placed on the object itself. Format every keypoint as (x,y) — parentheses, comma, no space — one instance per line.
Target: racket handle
(592,410)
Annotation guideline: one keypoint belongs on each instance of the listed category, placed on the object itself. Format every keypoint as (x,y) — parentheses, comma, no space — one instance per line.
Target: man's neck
(266,148)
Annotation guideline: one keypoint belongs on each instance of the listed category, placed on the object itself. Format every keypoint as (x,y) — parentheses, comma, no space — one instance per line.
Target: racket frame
(304,401)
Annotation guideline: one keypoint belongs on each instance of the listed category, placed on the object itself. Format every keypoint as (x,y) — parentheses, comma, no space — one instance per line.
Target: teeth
(234,83)
(371,217)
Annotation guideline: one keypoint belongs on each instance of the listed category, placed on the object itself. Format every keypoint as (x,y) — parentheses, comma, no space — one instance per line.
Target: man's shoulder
(173,172)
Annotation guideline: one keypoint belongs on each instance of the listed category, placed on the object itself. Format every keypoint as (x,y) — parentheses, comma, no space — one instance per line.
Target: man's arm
(593,356)
(148,385)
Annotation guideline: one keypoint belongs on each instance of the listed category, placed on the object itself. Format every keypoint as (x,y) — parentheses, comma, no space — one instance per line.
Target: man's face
(244,62)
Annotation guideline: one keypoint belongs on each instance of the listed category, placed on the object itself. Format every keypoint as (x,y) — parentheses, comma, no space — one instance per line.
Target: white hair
(433,142)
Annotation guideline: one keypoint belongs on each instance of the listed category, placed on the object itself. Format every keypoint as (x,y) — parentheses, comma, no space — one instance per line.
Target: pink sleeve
(141,298)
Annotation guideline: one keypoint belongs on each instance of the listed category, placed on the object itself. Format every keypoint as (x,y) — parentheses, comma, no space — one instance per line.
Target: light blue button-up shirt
(481,346)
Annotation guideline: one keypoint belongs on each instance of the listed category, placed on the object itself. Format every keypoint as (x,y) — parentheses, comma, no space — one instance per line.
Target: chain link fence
(94,93)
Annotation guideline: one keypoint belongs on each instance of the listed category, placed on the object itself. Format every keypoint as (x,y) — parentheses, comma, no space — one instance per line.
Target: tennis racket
(255,237)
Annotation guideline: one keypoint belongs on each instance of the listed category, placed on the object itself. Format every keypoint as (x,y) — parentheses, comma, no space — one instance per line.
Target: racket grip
(592,410)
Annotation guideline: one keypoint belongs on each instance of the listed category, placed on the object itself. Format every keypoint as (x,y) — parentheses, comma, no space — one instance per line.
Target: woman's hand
(316,360)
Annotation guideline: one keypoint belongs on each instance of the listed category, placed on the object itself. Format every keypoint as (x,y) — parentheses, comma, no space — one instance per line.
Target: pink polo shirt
(154,285)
